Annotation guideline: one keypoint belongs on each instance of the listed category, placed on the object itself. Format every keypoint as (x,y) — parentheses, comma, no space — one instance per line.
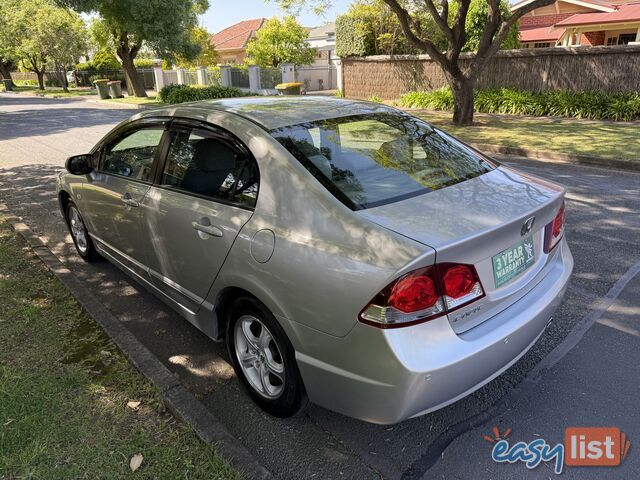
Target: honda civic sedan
(348,253)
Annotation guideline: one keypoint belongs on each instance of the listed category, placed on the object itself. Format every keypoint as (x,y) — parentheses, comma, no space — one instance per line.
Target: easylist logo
(595,446)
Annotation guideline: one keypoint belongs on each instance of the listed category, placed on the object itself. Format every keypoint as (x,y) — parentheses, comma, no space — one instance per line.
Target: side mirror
(79,164)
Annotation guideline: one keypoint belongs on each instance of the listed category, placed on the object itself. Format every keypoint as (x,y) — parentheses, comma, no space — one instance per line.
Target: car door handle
(127,200)
(208,229)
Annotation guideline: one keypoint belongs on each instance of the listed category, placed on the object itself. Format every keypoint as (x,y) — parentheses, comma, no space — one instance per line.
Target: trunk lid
(473,221)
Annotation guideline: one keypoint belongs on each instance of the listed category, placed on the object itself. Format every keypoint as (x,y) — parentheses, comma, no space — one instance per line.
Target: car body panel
(187,271)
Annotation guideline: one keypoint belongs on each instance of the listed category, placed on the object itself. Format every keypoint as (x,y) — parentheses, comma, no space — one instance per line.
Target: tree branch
(441,20)
(422,43)
(490,45)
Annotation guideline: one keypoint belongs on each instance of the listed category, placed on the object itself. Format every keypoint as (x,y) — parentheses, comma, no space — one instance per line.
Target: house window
(625,38)
(612,41)
(541,44)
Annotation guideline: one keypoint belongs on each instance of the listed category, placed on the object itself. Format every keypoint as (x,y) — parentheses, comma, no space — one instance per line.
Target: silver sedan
(349,254)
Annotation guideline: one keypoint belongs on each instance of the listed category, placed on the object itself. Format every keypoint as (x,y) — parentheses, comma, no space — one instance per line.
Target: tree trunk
(5,70)
(40,75)
(462,89)
(62,77)
(134,82)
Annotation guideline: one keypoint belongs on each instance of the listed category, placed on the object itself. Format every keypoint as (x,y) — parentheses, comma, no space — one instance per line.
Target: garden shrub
(144,63)
(590,105)
(187,93)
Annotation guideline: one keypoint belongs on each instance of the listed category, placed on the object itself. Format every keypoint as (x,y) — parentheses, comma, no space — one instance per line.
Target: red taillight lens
(422,295)
(413,293)
(553,231)
(458,281)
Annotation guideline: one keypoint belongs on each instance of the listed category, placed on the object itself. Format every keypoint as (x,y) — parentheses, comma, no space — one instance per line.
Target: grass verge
(151,101)
(51,91)
(600,139)
(65,390)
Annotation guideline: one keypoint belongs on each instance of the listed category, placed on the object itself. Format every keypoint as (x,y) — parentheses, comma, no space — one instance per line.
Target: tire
(265,364)
(79,234)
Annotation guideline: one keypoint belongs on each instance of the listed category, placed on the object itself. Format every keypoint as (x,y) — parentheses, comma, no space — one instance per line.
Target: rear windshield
(370,160)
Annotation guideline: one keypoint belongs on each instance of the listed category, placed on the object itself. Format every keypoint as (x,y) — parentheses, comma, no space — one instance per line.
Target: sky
(224,13)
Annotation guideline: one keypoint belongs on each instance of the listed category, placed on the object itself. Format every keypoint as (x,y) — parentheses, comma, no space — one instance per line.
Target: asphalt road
(603,228)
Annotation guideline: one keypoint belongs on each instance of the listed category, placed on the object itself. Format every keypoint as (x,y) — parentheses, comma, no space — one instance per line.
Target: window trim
(161,123)
(210,131)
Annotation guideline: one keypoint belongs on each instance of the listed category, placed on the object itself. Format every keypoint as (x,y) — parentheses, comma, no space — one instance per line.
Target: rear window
(371,160)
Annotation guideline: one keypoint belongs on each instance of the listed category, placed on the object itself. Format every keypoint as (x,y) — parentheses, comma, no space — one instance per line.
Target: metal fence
(190,77)
(169,77)
(240,78)
(86,79)
(270,77)
(213,76)
(318,78)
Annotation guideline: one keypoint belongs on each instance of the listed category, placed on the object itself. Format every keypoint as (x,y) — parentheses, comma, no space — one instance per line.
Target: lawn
(150,100)
(65,390)
(603,139)
(51,91)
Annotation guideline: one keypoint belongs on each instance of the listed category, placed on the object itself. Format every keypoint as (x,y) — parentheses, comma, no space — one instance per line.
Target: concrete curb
(176,397)
(556,157)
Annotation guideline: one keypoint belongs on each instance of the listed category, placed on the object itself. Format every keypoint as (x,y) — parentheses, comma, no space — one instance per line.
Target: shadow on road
(62,117)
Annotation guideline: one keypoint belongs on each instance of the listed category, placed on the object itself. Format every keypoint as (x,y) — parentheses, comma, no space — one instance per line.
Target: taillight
(423,295)
(553,231)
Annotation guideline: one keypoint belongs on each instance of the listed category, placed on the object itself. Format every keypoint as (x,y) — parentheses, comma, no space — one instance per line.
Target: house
(231,43)
(580,23)
(323,39)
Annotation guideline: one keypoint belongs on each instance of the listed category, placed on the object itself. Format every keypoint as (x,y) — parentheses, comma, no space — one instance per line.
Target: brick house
(231,43)
(580,23)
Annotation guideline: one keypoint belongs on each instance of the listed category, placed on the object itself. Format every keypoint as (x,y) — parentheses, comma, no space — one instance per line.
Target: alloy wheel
(78,230)
(259,357)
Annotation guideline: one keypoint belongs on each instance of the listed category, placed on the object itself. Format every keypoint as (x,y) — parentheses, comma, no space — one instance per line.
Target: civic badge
(527,226)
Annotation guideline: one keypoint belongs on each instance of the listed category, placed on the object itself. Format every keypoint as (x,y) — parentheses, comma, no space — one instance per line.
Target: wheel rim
(259,357)
(78,230)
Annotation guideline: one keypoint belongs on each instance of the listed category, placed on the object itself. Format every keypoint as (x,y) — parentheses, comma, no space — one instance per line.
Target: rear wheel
(81,239)
(263,359)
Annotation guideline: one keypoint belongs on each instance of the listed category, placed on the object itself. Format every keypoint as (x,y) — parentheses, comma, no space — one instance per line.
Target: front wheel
(79,234)
(263,359)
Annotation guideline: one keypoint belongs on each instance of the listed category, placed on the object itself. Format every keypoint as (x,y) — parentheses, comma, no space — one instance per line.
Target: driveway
(603,228)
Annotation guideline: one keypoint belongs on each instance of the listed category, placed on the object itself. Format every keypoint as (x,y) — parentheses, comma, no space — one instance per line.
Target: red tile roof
(541,34)
(603,4)
(236,36)
(625,13)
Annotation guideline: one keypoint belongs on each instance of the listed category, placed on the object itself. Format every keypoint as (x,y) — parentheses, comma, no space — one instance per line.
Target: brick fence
(606,69)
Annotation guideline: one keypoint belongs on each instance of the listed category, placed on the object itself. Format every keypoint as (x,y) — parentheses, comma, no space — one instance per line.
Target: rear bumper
(386,376)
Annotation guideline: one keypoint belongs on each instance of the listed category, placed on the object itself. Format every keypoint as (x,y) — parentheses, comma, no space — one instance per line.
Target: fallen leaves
(135,462)
(133,405)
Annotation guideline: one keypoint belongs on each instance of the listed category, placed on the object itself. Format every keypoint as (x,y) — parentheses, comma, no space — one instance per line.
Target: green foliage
(144,63)
(353,38)
(208,55)
(477,21)
(591,105)
(162,26)
(280,41)
(105,60)
(186,93)
(375,98)
(371,28)
(85,67)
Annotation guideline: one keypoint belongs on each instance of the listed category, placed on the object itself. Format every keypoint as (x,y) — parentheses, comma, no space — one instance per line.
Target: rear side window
(371,160)
(132,156)
(209,166)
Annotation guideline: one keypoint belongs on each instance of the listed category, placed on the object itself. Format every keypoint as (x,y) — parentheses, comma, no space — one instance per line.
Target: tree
(461,76)
(281,42)
(370,27)
(162,25)
(63,36)
(43,34)
(208,56)
(8,40)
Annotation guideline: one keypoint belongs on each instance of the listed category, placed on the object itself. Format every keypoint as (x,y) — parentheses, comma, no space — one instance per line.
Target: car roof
(276,112)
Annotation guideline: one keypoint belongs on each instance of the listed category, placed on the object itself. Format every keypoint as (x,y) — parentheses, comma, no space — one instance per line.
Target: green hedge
(591,105)
(352,37)
(187,93)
